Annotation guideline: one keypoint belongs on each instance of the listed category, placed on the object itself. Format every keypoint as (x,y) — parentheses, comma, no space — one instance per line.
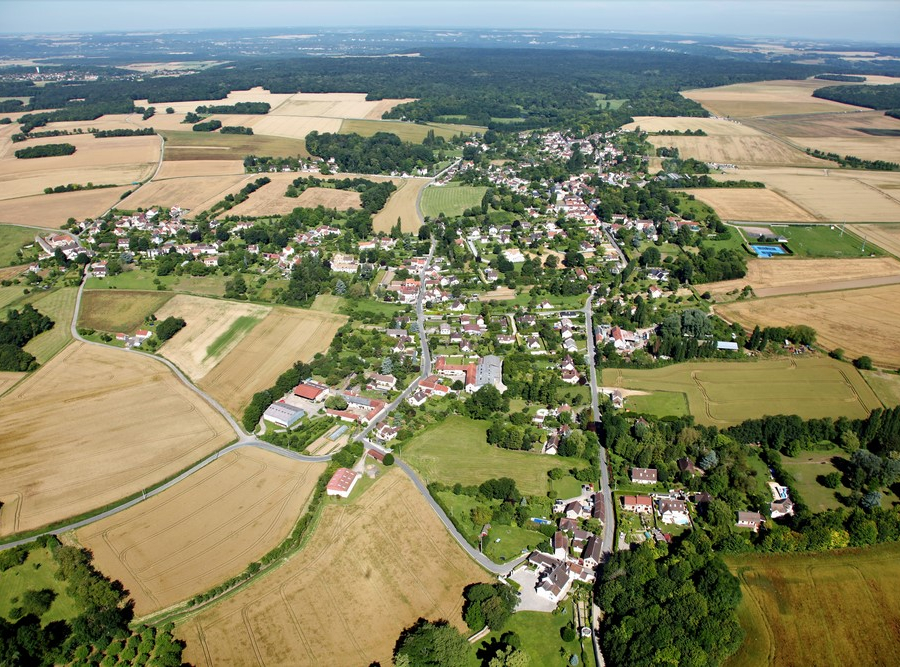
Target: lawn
(451,199)
(806,469)
(806,609)
(659,403)
(137,279)
(238,328)
(513,542)
(567,487)
(885,385)
(824,241)
(11,239)
(115,311)
(456,450)
(540,634)
(36,573)
(723,393)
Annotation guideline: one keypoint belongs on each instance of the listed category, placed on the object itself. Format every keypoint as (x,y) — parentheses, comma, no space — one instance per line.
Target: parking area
(529,600)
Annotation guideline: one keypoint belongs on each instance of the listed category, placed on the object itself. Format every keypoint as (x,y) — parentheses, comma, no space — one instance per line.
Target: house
(142,334)
(599,509)
(643,476)
(655,292)
(506,339)
(342,482)
(432,386)
(580,538)
(311,391)
(568,525)
(283,414)
(639,504)
(749,520)
(382,382)
(386,433)
(574,510)
(782,507)
(673,511)
(686,465)
(570,377)
(593,551)
(556,583)
(560,545)
(417,399)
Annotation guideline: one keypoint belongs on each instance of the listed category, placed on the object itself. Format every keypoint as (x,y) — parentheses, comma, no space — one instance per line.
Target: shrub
(568,633)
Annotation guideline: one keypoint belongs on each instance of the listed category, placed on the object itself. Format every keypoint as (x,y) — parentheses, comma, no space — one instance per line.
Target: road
(609,523)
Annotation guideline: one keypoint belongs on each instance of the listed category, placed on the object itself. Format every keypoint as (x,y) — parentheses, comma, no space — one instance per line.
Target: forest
(382,153)
(373,195)
(19,328)
(44,150)
(250,108)
(872,97)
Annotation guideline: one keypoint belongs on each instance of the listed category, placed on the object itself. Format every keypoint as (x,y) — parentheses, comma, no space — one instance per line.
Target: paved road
(609,527)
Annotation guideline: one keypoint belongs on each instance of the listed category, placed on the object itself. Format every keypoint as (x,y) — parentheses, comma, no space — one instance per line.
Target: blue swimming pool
(766,251)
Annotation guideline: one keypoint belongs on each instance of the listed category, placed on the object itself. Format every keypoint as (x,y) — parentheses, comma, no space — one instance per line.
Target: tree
(388,459)
(335,403)
(871,500)
(651,257)
(510,657)
(863,363)
(428,644)
(169,327)
(568,633)
(832,480)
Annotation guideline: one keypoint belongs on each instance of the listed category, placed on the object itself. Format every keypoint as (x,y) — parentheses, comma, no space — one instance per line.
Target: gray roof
(284,412)
(489,370)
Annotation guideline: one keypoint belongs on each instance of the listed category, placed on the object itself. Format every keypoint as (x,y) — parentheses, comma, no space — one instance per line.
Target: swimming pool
(767,251)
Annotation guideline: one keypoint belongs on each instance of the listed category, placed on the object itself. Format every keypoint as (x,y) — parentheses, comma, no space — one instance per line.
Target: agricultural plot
(711,126)
(204,530)
(211,331)
(456,450)
(861,322)
(295,127)
(791,276)
(190,192)
(283,337)
(886,237)
(59,305)
(725,393)
(885,385)
(403,205)
(370,570)
(119,160)
(335,105)
(751,205)
(187,145)
(54,210)
(451,200)
(115,311)
(341,200)
(8,380)
(194,168)
(766,98)
(117,424)
(803,609)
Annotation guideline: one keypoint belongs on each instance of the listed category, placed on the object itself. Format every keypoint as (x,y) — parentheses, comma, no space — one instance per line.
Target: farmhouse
(639,504)
(342,482)
(556,583)
(643,475)
(283,414)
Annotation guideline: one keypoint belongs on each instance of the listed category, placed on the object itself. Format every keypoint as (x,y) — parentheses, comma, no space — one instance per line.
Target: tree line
(19,328)
(872,97)
(854,162)
(249,108)
(44,150)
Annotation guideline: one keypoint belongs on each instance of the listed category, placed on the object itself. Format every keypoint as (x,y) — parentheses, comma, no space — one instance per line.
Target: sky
(850,20)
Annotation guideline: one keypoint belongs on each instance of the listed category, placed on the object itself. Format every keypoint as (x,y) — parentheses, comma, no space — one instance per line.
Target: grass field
(59,305)
(824,241)
(724,393)
(805,609)
(806,468)
(36,573)
(885,385)
(412,132)
(659,403)
(540,634)
(372,567)
(451,199)
(752,204)
(456,450)
(214,146)
(402,206)
(284,336)
(11,240)
(92,426)
(214,327)
(115,311)
(861,322)
(203,531)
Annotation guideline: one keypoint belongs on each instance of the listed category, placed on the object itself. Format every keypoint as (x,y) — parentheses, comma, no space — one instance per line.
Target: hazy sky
(857,20)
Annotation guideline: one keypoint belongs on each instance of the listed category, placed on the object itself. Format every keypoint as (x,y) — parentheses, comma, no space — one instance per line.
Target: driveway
(529,600)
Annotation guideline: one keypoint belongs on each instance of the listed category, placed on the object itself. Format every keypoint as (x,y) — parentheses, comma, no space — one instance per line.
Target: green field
(451,199)
(659,403)
(604,103)
(238,328)
(823,241)
(724,393)
(11,239)
(137,279)
(885,385)
(118,311)
(413,132)
(809,609)
(59,305)
(806,468)
(36,573)
(456,450)
(215,146)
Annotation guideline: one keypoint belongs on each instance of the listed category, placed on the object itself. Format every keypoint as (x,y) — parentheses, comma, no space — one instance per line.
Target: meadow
(860,322)
(115,311)
(36,573)
(11,240)
(372,567)
(203,531)
(722,393)
(456,450)
(885,385)
(807,467)
(805,609)
(451,199)
(92,426)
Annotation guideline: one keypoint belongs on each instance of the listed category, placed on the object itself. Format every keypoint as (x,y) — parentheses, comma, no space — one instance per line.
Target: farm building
(311,391)
(283,414)
(342,482)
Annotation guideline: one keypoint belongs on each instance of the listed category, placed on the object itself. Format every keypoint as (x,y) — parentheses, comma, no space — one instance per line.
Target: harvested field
(865,147)
(205,530)
(54,210)
(115,311)
(256,94)
(499,294)
(192,168)
(8,380)
(886,237)
(371,569)
(413,132)
(861,322)
(832,195)
(745,150)
(271,200)
(120,423)
(283,337)
(329,198)
(802,609)
(712,126)
(10,272)
(751,204)
(724,393)
(181,145)
(334,105)
(207,320)
(403,206)
(766,98)
(295,127)
(189,192)
(120,160)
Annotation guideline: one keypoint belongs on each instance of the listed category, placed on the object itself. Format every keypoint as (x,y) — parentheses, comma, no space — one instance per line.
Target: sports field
(751,204)
(203,531)
(284,336)
(723,393)
(92,426)
(54,210)
(115,311)
(402,206)
(806,609)
(210,322)
(451,199)
(861,322)
(371,568)
(825,241)
(456,450)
